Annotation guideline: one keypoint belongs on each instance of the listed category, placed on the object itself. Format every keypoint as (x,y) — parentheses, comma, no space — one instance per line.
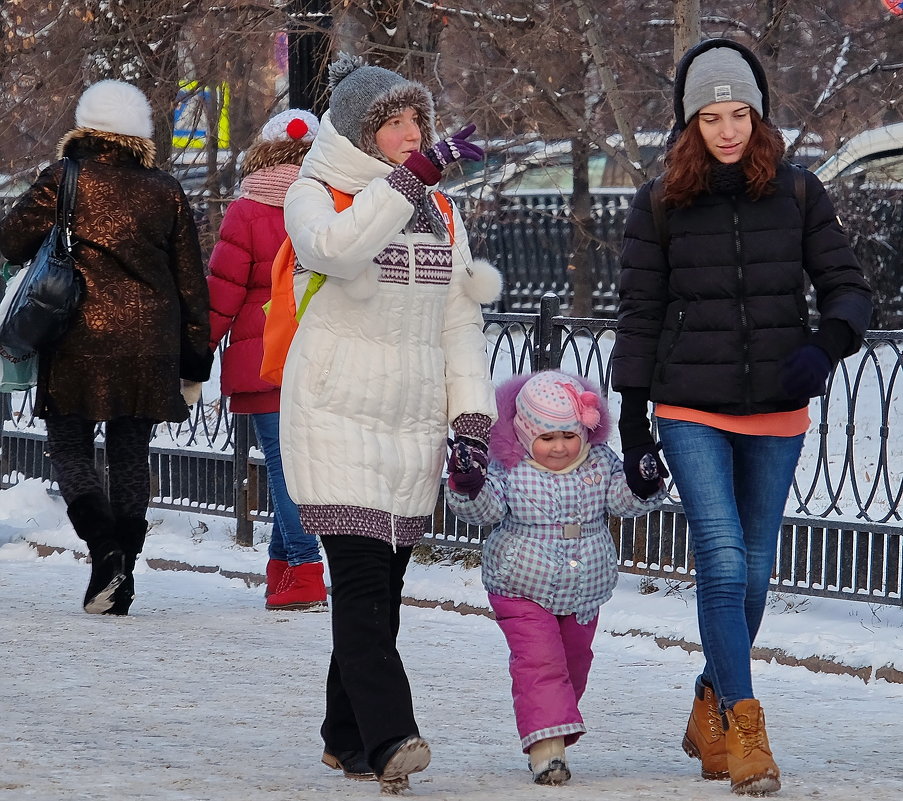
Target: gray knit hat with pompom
(363,97)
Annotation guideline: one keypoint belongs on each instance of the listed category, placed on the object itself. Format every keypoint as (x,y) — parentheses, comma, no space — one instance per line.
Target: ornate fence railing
(842,528)
(530,239)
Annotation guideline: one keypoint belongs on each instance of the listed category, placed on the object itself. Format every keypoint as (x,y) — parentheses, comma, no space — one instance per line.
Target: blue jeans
(733,488)
(290,542)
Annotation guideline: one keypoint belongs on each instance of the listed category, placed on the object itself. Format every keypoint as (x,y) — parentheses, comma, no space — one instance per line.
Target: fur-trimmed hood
(407,95)
(503,444)
(78,139)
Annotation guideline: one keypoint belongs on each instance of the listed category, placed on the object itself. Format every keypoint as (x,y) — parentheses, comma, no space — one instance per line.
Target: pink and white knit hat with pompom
(294,123)
(552,401)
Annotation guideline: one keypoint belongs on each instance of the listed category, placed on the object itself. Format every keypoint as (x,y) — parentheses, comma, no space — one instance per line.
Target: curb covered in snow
(816,664)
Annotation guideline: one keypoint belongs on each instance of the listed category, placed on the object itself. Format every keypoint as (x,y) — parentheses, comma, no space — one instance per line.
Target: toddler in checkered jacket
(550,562)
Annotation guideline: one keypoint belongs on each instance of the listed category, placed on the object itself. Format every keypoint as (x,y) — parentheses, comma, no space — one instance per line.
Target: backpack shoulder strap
(799,190)
(342,200)
(447,214)
(65,200)
(657,198)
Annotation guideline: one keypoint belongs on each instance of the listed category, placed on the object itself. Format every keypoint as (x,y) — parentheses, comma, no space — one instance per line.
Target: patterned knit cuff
(423,168)
(402,180)
(473,426)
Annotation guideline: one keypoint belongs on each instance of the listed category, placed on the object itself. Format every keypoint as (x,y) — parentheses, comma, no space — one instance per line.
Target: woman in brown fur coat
(142,326)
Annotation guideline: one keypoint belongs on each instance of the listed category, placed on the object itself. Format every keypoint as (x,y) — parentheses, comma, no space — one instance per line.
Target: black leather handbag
(52,289)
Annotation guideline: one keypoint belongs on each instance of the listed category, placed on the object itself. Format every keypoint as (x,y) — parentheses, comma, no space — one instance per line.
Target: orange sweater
(775,424)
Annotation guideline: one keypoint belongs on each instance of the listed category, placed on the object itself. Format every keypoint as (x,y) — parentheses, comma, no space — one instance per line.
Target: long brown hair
(688,163)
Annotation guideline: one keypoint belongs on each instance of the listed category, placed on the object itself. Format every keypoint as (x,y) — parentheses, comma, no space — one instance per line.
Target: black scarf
(727,179)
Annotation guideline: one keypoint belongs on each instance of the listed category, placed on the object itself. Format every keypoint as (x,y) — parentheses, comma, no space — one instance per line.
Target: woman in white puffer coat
(388,353)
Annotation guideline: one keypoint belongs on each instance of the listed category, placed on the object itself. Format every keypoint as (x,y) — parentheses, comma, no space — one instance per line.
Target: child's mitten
(467,469)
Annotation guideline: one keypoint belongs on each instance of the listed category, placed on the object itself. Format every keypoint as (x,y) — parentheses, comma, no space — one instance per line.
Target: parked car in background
(518,205)
(873,157)
(546,168)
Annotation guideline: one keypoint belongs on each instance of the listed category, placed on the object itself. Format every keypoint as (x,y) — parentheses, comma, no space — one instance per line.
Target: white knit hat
(115,107)
(552,401)
(292,124)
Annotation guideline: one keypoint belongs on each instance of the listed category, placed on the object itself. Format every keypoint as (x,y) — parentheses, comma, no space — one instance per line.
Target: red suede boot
(301,588)
(275,569)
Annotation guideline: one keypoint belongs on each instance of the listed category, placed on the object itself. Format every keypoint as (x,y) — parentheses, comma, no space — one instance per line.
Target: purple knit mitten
(455,148)
(467,469)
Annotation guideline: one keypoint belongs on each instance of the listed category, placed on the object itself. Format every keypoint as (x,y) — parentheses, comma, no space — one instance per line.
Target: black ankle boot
(131,532)
(92,520)
(107,576)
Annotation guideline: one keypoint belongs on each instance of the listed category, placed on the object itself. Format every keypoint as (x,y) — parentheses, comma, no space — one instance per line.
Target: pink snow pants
(549,663)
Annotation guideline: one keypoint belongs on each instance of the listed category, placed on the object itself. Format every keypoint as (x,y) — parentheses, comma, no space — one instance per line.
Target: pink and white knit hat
(552,401)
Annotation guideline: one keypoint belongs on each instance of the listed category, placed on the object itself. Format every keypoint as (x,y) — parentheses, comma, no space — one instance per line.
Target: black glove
(805,371)
(644,470)
(467,467)
(455,148)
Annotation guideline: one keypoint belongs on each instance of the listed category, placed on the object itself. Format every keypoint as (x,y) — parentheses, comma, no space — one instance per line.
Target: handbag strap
(65,200)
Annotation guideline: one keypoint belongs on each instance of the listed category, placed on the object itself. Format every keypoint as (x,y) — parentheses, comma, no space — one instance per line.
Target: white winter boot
(548,763)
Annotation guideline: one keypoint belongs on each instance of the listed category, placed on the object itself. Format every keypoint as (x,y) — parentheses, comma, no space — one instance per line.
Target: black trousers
(368,697)
(70,439)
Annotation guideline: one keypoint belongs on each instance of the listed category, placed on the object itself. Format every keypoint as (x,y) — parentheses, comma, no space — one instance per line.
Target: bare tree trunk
(578,268)
(612,90)
(687,28)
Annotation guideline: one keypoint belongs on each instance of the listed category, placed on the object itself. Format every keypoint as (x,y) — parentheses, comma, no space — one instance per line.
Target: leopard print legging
(70,440)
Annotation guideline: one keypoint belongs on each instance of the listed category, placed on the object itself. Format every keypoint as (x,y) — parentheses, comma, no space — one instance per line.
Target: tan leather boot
(750,763)
(704,739)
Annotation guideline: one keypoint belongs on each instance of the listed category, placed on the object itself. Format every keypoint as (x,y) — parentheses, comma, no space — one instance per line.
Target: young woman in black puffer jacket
(713,328)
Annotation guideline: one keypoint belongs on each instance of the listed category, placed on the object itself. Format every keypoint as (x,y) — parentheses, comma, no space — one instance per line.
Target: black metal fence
(528,238)
(842,529)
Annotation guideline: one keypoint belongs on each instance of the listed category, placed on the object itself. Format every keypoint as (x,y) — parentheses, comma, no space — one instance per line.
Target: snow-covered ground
(201,694)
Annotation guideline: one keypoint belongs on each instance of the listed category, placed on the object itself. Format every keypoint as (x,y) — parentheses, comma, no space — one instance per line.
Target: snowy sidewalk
(202,695)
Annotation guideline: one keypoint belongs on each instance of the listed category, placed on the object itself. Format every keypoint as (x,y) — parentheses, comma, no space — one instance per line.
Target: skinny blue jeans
(733,488)
(290,542)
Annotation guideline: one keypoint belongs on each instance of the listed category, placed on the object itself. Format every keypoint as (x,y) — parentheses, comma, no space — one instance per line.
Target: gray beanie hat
(718,75)
(363,97)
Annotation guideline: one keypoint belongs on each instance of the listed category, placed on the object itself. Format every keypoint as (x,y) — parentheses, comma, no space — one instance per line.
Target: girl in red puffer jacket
(239,283)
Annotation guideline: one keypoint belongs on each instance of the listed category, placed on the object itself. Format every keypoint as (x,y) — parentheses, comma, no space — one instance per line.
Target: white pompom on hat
(115,107)
(293,124)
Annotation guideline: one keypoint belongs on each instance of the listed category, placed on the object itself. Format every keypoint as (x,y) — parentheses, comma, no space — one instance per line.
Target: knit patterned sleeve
(473,426)
(402,180)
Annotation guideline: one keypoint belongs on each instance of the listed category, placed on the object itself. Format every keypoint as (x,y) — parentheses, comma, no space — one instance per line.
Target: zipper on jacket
(681,315)
(678,329)
(405,364)
(744,320)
